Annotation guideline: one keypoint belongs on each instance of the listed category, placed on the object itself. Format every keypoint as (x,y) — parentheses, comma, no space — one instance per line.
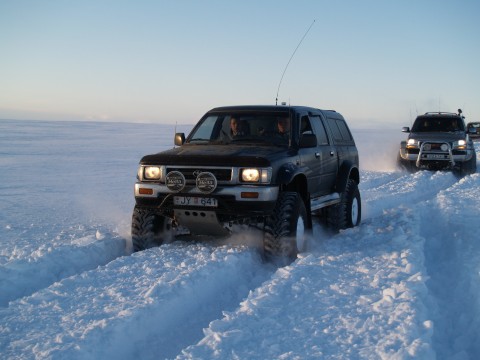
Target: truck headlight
(253,175)
(412,144)
(250,175)
(460,144)
(150,173)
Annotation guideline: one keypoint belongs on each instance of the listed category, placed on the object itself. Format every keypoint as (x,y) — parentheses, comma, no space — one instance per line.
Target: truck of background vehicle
(438,141)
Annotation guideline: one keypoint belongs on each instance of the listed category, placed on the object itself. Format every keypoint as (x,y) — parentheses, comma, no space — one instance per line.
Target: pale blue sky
(167,61)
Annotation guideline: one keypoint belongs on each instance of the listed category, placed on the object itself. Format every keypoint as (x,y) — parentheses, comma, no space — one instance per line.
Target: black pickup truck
(269,167)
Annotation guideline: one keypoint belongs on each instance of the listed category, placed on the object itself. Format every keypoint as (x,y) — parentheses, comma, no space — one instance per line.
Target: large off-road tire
(347,213)
(286,230)
(469,167)
(406,165)
(150,229)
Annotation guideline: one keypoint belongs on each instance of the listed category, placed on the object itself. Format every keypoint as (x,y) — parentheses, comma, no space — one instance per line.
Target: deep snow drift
(404,284)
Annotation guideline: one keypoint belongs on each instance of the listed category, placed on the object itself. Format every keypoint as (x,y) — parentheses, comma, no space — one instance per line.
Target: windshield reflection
(270,128)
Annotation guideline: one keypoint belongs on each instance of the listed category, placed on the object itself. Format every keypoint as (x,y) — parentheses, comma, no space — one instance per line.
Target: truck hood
(218,155)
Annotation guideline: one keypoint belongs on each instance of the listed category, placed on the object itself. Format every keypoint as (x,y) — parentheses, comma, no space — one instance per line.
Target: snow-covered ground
(404,284)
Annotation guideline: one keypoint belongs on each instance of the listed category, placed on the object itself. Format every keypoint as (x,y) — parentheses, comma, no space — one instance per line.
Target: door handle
(332,153)
(317,155)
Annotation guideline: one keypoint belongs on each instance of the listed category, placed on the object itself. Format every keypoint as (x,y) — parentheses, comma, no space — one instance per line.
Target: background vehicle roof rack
(440,113)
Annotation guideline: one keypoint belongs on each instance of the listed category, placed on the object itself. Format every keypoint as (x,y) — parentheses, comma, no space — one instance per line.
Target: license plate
(435,156)
(194,201)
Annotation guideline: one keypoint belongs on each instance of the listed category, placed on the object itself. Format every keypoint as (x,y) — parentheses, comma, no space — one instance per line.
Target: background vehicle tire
(286,230)
(150,229)
(406,165)
(470,167)
(347,213)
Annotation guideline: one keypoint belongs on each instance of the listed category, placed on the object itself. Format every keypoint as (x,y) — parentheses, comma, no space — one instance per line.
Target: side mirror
(406,129)
(179,139)
(308,141)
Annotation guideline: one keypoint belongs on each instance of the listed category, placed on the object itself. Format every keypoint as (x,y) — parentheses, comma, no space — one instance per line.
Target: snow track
(452,257)
(362,293)
(402,189)
(356,295)
(136,305)
(24,276)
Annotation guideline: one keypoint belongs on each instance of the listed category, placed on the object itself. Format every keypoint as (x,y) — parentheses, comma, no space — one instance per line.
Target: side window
(340,130)
(344,130)
(319,130)
(337,135)
(305,126)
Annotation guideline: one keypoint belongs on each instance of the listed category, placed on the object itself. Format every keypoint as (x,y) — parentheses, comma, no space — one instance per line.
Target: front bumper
(430,155)
(232,206)
(233,202)
(265,193)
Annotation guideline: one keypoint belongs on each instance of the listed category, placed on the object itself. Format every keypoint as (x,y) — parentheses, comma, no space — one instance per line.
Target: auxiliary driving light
(249,195)
(145,191)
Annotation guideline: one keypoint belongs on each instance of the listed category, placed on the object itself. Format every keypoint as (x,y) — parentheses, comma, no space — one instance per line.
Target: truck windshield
(438,125)
(271,128)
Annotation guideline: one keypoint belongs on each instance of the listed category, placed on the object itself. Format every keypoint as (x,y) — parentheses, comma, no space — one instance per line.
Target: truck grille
(190,173)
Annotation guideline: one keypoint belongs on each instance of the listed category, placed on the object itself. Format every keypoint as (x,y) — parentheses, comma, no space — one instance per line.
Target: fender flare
(347,170)
(287,173)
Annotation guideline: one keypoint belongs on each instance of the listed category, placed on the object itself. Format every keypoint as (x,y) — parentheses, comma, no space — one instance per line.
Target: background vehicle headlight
(152,172)
(460,144)
(412,143)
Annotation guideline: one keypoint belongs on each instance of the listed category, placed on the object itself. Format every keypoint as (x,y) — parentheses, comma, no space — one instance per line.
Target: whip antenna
(278,90)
